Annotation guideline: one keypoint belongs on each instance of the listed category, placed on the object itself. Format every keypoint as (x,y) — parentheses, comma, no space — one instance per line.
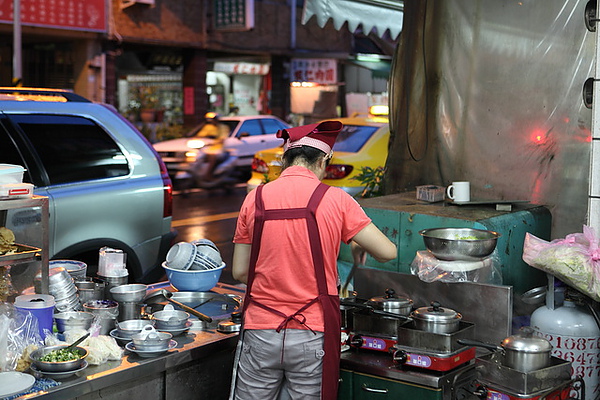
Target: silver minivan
(105,183)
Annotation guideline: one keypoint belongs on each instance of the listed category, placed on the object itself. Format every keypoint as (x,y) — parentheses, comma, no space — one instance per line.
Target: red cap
(320,136)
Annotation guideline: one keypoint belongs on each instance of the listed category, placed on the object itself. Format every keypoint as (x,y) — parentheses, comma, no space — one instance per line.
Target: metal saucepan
(522,352)
(436,319)
(161,295)
(391,302)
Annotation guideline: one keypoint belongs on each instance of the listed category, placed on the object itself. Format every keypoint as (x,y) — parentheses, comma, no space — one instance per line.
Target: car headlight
(196,144)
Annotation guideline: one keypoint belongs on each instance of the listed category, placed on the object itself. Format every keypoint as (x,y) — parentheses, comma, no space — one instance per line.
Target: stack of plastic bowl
(194,267)
(207,255)
(62,287)
(77,269)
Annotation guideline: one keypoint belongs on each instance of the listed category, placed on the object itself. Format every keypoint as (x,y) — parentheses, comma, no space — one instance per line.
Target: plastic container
(193,281)
(10,173)
(41,306)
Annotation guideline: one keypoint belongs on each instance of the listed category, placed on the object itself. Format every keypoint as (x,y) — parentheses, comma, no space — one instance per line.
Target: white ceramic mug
(459,192)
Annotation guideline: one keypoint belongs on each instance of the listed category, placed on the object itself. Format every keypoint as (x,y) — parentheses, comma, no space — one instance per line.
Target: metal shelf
(31,232)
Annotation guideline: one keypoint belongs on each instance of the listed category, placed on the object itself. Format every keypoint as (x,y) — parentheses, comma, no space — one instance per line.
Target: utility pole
(17,65)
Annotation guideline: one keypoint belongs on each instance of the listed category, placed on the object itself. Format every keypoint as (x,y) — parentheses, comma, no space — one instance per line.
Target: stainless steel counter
(201,363)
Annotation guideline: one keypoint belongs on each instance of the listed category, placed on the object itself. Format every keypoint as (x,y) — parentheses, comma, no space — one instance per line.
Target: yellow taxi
(363,142)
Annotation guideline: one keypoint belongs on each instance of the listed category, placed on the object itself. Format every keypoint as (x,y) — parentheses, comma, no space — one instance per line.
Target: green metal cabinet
(401,217)
(360,386)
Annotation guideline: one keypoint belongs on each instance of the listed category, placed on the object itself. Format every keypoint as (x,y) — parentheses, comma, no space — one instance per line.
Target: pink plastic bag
(575,260)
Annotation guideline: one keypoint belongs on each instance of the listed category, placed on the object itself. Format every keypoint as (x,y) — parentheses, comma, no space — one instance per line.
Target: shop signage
(84,15)
(318,70)
(234,15)
(241,68)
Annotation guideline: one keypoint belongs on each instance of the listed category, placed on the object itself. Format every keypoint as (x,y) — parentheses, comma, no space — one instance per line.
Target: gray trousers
(261,374)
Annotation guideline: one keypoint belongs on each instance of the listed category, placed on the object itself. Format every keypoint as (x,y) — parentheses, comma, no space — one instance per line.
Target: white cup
(459,192)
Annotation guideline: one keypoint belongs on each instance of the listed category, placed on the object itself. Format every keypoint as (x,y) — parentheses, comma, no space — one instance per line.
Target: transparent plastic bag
(575,260)
(19,336)
(430,269)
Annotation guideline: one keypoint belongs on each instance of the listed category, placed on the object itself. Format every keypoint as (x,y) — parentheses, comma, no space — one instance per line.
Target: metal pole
(293,24)
(17,66)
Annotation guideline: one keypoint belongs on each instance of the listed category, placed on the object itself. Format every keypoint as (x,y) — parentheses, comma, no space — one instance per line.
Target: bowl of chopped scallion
(58,358)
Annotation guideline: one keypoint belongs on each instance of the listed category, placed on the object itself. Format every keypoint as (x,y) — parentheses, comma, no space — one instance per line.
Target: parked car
(363,142)
(105,183)
(247,135)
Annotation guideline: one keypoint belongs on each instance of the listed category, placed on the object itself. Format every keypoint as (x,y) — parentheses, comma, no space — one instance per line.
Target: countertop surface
(197,343)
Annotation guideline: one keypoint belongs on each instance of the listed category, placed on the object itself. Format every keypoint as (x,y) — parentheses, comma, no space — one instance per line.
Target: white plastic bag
(430,269)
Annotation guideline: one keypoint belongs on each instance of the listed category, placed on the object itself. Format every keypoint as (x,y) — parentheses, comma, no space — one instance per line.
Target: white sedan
(247,135)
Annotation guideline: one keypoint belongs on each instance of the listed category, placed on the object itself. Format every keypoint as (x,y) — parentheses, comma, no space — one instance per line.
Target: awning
(379,69)
(378,15)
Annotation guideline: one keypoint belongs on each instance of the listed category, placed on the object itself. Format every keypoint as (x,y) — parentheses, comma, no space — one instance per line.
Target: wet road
(210,215)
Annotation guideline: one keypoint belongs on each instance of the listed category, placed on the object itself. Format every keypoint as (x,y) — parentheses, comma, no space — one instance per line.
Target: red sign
(85,15)
(318,70)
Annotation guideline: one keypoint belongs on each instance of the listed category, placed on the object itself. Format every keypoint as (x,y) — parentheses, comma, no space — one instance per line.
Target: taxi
(363,142)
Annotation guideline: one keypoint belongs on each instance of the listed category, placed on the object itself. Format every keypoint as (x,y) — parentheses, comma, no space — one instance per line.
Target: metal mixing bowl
(69,320)
(62,366)
(466,244)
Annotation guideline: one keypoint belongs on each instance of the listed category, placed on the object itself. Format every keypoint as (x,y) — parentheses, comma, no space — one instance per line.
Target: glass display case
(28,219)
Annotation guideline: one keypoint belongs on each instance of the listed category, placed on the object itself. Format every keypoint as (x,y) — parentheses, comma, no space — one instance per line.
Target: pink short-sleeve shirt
(284,275)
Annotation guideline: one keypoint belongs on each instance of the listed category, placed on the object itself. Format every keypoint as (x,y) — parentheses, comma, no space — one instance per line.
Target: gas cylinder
(575,337)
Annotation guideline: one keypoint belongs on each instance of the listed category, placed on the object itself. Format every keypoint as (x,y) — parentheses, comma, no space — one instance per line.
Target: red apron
(329,303)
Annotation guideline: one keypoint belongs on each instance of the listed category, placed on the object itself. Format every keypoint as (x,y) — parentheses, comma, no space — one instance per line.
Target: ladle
(162,294)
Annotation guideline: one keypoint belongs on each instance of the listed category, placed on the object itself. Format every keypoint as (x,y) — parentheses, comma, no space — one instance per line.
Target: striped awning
(374,15)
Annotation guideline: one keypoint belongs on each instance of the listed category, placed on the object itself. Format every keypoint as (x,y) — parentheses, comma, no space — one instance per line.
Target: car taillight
(259,166)
(167,190)
(338,171)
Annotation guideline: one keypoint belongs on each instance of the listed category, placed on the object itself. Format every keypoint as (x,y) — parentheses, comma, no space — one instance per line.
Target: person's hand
(359,255)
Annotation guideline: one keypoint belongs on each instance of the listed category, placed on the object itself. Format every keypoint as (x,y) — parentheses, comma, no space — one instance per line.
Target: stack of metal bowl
(126,329)
(77,269)
(69,320)
(149,339)
(62,287)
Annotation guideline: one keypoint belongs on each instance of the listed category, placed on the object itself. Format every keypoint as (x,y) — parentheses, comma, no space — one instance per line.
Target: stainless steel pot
(436,319)
(526,352)
(523,352)
(390,302)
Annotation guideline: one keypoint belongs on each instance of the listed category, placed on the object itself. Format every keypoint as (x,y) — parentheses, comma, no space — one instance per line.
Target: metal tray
(23,253)
(494,373)
(410,336)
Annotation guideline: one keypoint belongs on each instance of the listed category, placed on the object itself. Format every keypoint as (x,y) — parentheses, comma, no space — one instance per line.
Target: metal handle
(373,390)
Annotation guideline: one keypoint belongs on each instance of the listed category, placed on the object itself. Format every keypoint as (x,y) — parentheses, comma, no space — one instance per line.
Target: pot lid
(436,313)
(527,342)
(389,300)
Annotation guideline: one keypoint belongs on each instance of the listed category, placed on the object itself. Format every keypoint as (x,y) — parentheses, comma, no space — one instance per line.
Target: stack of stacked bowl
(77,269)
(130,298)
(73,320)
(62,287)
(194,267)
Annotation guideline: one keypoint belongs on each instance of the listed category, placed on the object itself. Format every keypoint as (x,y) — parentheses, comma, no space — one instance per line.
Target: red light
(338,171)
(259,166)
